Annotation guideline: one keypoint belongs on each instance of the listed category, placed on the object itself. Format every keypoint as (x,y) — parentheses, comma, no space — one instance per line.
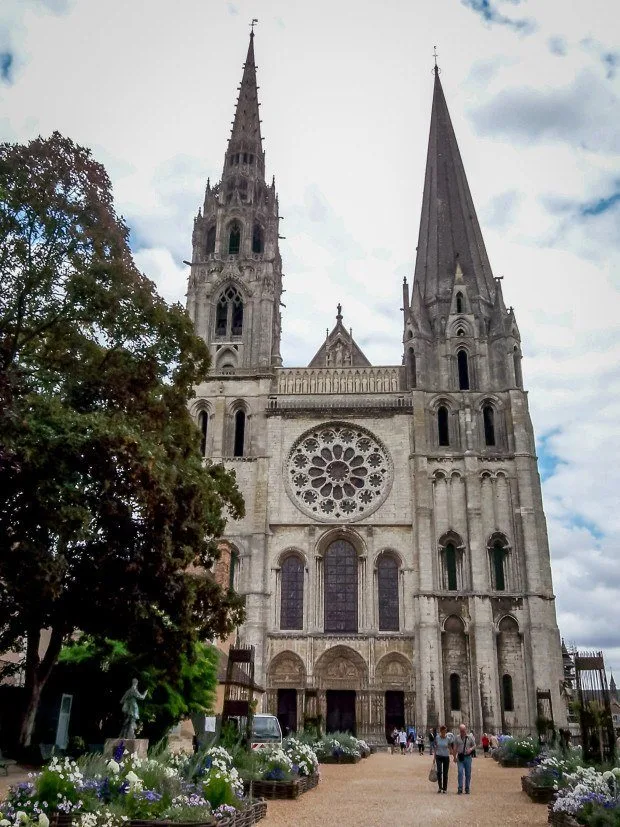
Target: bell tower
(235,283)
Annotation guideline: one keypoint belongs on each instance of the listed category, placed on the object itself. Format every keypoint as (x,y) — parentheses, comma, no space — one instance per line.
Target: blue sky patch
(7,62)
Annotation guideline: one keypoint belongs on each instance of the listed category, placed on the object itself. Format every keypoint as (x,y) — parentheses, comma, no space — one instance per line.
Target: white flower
(114,766)
(43,820)
(133,779)
(5,823)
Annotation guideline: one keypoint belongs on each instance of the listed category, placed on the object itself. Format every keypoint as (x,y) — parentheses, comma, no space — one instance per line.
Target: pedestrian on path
(485,744)
(420,743)
(402,740)
(464,745)
(394,738)
(443,748)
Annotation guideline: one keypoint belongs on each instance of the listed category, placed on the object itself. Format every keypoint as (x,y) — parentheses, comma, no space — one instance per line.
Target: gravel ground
(393,790)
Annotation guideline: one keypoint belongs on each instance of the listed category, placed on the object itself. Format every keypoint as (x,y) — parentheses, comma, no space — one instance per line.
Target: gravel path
(393,791)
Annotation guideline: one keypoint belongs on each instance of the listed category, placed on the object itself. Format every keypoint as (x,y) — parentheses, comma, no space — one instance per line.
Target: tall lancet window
(488,417)
(203,426)
(211,239)
(459,302)
(443,429)
(340,565)
(463,369)
(387,589)
(234,239)
(257,239)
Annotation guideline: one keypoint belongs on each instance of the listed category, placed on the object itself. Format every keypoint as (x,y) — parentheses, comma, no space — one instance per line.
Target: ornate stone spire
(339,348)
(245,137)
(449,229)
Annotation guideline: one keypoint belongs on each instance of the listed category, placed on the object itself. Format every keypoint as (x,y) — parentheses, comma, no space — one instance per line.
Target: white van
(265,730)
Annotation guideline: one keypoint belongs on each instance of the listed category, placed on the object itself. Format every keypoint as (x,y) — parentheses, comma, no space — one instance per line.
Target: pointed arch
(498,553)
(451,551)
(239,433)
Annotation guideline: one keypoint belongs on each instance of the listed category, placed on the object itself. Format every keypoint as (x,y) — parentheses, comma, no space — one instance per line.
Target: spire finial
(252,24)
(339,314)
(435,56)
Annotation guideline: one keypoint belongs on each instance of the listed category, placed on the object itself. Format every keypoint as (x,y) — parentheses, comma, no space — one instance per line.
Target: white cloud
(345,91)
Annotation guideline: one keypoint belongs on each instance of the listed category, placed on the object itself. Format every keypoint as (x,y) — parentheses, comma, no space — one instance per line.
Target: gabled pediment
(339,349)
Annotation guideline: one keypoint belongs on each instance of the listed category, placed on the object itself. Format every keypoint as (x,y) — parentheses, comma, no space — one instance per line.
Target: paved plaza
(393,791)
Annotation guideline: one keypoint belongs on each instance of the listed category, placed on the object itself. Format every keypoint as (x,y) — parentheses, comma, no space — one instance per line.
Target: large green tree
(107,514)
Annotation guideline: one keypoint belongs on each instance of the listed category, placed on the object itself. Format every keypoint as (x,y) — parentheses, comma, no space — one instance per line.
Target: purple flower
(151,795)
(119,751)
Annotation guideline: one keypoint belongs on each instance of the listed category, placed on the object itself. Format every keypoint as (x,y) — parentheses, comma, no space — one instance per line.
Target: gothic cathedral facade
(393,554)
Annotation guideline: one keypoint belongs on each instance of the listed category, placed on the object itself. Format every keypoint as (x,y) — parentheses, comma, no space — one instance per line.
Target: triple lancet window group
(341,565)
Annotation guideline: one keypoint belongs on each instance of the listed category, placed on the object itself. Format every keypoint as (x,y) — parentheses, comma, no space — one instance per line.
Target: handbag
(432,773)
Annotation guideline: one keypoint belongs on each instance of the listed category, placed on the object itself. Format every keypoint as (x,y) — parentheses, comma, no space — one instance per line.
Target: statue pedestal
(131,745)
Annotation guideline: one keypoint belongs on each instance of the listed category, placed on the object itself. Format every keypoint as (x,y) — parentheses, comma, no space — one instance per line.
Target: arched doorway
(342,677)
(286,679)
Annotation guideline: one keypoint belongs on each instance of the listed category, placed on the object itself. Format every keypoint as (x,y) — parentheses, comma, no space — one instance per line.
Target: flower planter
(277,789)
(514,762)
(146,822)
(340,759)
(309,782)
(561,819)
(58,819)
(260,810)
(538,793)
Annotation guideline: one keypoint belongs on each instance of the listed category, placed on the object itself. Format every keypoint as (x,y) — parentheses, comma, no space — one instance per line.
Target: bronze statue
(130,709)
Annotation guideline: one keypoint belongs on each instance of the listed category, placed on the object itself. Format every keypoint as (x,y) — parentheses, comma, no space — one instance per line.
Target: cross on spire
(252,24)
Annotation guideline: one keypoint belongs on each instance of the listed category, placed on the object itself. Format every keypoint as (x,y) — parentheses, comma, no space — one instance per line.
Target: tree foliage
(101,670)
(106,509)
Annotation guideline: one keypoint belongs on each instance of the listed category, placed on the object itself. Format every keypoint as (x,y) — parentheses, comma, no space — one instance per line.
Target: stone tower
(393,554)
(485,604)
(235,240)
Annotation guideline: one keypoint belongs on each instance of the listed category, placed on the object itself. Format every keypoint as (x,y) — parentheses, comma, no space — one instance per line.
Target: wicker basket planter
(538,793)
(145,822)
(562,819)
(276,789)
(514,762)
(309,782)
(340,759)
(58,819)
(260,810)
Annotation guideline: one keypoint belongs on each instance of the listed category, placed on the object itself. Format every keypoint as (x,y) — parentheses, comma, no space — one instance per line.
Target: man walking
(464,745)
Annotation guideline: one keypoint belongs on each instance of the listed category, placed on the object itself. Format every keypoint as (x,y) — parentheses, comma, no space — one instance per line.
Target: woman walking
(442,750)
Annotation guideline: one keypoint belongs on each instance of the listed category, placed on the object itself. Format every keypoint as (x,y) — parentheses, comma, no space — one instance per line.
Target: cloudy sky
(533,89)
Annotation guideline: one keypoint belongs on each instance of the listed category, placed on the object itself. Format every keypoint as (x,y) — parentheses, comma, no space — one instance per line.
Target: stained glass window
(292,593)
(340,565)
(387,577)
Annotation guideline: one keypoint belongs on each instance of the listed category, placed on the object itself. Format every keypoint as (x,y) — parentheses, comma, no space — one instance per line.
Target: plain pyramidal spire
(245,135)
(449,230)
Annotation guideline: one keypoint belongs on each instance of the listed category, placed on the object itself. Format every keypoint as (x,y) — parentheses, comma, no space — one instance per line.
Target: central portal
(340,710)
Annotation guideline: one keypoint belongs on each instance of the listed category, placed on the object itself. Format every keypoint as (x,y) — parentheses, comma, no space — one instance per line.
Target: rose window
(338,472)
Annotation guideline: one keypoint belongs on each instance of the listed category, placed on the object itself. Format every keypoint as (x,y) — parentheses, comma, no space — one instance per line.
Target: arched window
(292,593)
(387,587)
(516,360)
(443,431)
(234,239)
(460,332)
(459,302)
(229,314)
(488,417)
(455,692)
(450,569)
(413,371)
(340,599)
(203,426)
(257,239)
(498,556)
(507,696)
(239,440)
(463,367)
(211,239)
